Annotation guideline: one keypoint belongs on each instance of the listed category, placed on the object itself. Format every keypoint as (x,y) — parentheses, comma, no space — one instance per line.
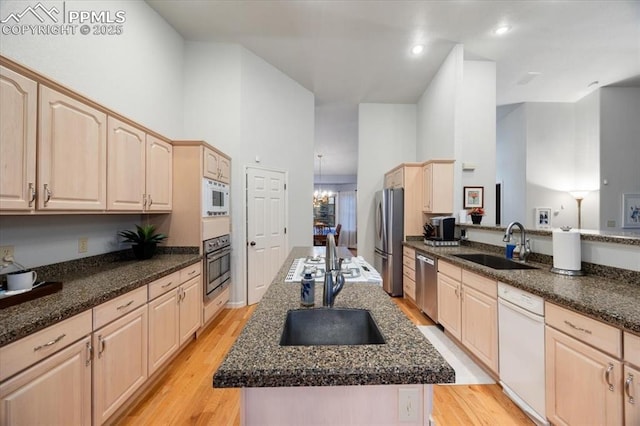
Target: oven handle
(218,255)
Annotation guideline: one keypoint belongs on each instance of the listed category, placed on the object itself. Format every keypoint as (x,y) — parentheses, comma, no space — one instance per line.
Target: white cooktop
(355,270)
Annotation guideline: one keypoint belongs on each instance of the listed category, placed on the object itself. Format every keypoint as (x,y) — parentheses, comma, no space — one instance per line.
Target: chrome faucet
(333,265)
(525,248)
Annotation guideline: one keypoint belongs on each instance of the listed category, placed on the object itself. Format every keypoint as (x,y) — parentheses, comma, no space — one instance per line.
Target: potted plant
(144,240)
(476,215)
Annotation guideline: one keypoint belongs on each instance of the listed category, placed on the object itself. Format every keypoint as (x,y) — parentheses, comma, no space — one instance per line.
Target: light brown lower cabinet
(631,396)
(468,310)
(54,391)
(120,362)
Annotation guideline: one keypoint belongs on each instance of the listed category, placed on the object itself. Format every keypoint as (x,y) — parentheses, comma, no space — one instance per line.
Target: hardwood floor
(185,394)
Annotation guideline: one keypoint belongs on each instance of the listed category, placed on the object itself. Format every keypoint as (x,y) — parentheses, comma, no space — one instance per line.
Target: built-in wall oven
(217,265)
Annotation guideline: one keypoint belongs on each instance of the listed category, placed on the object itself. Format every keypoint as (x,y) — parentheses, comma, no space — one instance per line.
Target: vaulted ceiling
(348,52)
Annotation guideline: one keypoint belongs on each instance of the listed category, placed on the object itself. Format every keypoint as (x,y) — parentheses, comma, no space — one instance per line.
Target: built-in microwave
(215,198)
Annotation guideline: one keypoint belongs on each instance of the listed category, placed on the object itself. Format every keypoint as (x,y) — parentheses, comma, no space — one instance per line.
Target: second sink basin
(495,262)
(330,326)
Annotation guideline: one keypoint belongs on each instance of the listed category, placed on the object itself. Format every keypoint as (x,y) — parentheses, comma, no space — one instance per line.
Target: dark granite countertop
(258,360)
(83,289)
(612,301)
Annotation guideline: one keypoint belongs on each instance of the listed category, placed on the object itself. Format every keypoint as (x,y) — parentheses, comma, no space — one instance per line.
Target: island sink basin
(495,262)
(330,326)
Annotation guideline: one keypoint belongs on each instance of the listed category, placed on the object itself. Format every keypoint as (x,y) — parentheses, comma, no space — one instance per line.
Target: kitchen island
(331,384)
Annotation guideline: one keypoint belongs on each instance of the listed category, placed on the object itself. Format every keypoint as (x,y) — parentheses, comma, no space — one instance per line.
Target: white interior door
(266,224)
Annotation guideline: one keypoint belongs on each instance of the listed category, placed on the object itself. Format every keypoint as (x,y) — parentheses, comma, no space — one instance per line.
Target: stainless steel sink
(495,262)
(330,326)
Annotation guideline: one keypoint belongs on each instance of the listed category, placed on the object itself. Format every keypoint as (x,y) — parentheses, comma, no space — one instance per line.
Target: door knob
(252,243)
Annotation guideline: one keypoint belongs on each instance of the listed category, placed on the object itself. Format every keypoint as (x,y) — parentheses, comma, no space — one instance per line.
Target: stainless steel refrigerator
(389,207)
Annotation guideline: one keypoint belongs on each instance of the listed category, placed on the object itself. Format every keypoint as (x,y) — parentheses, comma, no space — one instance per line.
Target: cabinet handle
(89,354)
(607,376)
(144,201)
(584,330)
(126,305)
(167,284)
(192,272)
(627,388)
(52,342)
(150,200)
(456,291)
(182,294)
(32,192)
(100,345)
(47,192)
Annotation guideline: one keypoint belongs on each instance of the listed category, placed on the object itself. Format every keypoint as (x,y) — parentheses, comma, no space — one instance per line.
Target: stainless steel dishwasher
(427,285)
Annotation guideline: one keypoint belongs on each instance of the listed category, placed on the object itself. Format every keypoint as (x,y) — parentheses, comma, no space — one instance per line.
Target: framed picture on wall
(631,210)
(473,196)
(543,218)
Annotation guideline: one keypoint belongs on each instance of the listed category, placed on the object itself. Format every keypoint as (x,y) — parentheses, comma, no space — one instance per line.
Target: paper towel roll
(566,250)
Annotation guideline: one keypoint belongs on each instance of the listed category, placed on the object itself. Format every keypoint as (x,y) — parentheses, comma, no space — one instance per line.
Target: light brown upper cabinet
(437,186)
(216,166)
(72,154)
(140,169)
(18,106)
(159,174)
(126,166)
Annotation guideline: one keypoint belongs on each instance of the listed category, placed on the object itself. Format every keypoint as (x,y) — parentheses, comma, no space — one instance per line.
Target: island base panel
(344,405)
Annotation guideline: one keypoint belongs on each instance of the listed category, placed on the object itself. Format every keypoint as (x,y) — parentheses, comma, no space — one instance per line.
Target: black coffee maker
(443,228)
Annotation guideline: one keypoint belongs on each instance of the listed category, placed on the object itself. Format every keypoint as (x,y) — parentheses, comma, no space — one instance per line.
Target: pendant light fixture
(320,196)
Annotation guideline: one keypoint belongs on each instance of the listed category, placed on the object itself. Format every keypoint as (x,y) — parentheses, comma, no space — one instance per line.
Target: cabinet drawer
(31,349)
(409,273)
(212,308)
(595,333)
(450,270)
(408,251)
(632,349)
(485,285)
(190,271)
(409,288)
(409,262)
(113,309)
(164,284)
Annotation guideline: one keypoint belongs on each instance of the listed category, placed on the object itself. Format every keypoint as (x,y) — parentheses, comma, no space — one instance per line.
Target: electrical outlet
(408,404)
(6,252)
(83,245)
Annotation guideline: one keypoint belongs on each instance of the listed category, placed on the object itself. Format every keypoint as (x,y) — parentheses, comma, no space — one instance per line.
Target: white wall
(619,150)
(247,108)
(138,74)
(386,138)
(436,110)
(554,148)
(475,134)
(511,145)
(43,240)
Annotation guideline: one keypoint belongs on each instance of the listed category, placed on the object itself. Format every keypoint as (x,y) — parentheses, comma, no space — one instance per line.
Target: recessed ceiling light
(502,29)
(417,49)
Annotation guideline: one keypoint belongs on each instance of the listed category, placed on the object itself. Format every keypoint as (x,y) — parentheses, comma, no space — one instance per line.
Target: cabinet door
(480,326)
(164,329)
(427,183)
(442,188)
(578,379)
(120,362)
(190,308)
(449,304)
(225,169)
(126,148)
(159,174)
(211,164)
(18,115)
(631,396)
(54,391)
(72,154)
